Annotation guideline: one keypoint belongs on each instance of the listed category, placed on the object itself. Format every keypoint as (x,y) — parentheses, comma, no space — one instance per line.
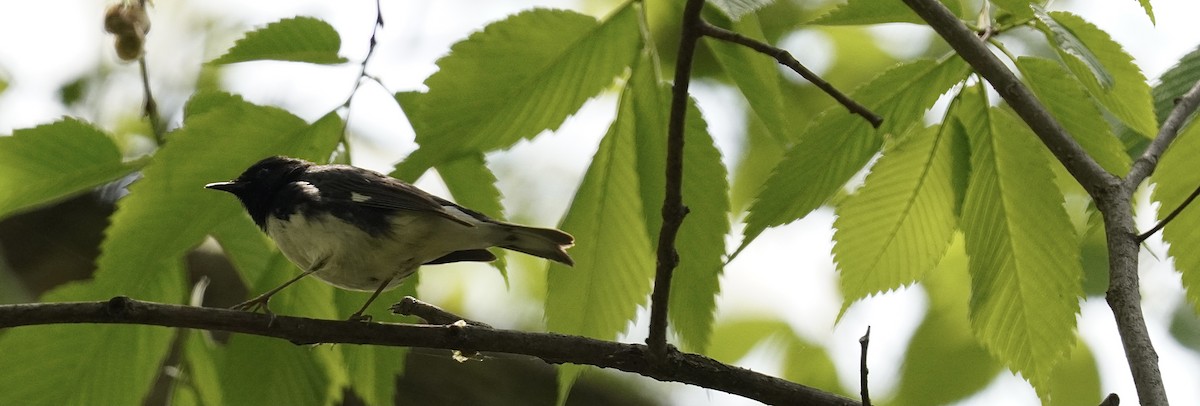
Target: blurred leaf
(1175,178)
(1107,72)
(100,364)
(473,186)
(701,239)
(810,364)
(373,369)
(1020,9)
(943,353)
(199,382)
(735,9)
(1025,269)
(1185,326)
(757,76)
(760,154)
(613,259)
(863,12)
(898,225)
(514,79)
(53,161)
(1067,100)
(733,339)
(1076,381)
(298,39)
(259,370)
(838,144)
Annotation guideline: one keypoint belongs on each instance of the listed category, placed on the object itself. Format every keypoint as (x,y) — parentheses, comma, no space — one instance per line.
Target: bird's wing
(372,189)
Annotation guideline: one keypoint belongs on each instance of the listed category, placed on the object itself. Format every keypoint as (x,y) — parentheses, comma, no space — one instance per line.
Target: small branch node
(863,342)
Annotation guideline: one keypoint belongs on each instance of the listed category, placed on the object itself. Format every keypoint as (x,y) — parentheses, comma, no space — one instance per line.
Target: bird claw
(365,318)
(254,305)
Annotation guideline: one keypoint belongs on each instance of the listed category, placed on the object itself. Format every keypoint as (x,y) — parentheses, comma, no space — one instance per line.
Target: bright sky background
(46,43)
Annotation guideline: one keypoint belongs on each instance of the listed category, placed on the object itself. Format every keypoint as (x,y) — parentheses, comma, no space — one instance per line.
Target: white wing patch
(309,189)
(359,198)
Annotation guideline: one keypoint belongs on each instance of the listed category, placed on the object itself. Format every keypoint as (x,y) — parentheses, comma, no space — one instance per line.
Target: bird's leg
(358,316)
(262,301)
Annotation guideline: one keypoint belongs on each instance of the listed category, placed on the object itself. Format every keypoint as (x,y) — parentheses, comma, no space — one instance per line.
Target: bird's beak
(231,187)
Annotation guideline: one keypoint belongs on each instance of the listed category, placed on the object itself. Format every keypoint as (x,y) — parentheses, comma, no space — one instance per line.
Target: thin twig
(862,367)
(362,72)
(1145,164)
(673,209)
(1143,236)
(785,58)
(686,368)
(149,106)
(410,306)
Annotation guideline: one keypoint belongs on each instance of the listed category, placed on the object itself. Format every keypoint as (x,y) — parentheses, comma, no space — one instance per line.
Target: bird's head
(257,185)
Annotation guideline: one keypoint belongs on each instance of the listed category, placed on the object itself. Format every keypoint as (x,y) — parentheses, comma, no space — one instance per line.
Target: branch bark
(686,368)
(673,209)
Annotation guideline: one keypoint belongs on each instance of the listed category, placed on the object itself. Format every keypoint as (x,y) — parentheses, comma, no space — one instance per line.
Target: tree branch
(1143,236)
(863,342)
(1082,167)
(673,209)
(553,348)
(1145,164)
(785,58)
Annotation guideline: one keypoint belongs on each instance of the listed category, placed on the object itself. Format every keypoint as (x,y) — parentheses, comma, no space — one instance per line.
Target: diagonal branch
(1143,236)
(785,58)
(687,368)
(673,209)
(1082,167)
(1144,166)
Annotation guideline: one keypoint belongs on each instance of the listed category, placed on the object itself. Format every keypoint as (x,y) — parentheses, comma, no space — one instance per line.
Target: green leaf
(811,364)
(701,239)
(1171,85)
(373,369)
(757,76)
(101,364)
(1067,100)
(838,144)
(735,9)
(900,222)
(732,340)
(1025,268)
(1149,10)
(1107,72)
(943,353)
(1020,9)
(613,259)
(54,161)
(261,370)
(168,211)
(1174,83)
(864,12)
(1076,380)
(298,39)
(474,186)
(199,382)
(514,79)
(1176,178)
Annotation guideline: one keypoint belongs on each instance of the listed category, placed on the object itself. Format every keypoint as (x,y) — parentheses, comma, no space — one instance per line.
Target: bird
(360,230)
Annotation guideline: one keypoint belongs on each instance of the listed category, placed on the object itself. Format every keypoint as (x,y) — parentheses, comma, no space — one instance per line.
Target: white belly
(355,260)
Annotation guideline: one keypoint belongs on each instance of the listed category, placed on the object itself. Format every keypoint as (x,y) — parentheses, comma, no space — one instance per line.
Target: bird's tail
(540,242)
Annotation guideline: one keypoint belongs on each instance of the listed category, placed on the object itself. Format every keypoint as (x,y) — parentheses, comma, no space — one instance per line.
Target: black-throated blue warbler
(361,230)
